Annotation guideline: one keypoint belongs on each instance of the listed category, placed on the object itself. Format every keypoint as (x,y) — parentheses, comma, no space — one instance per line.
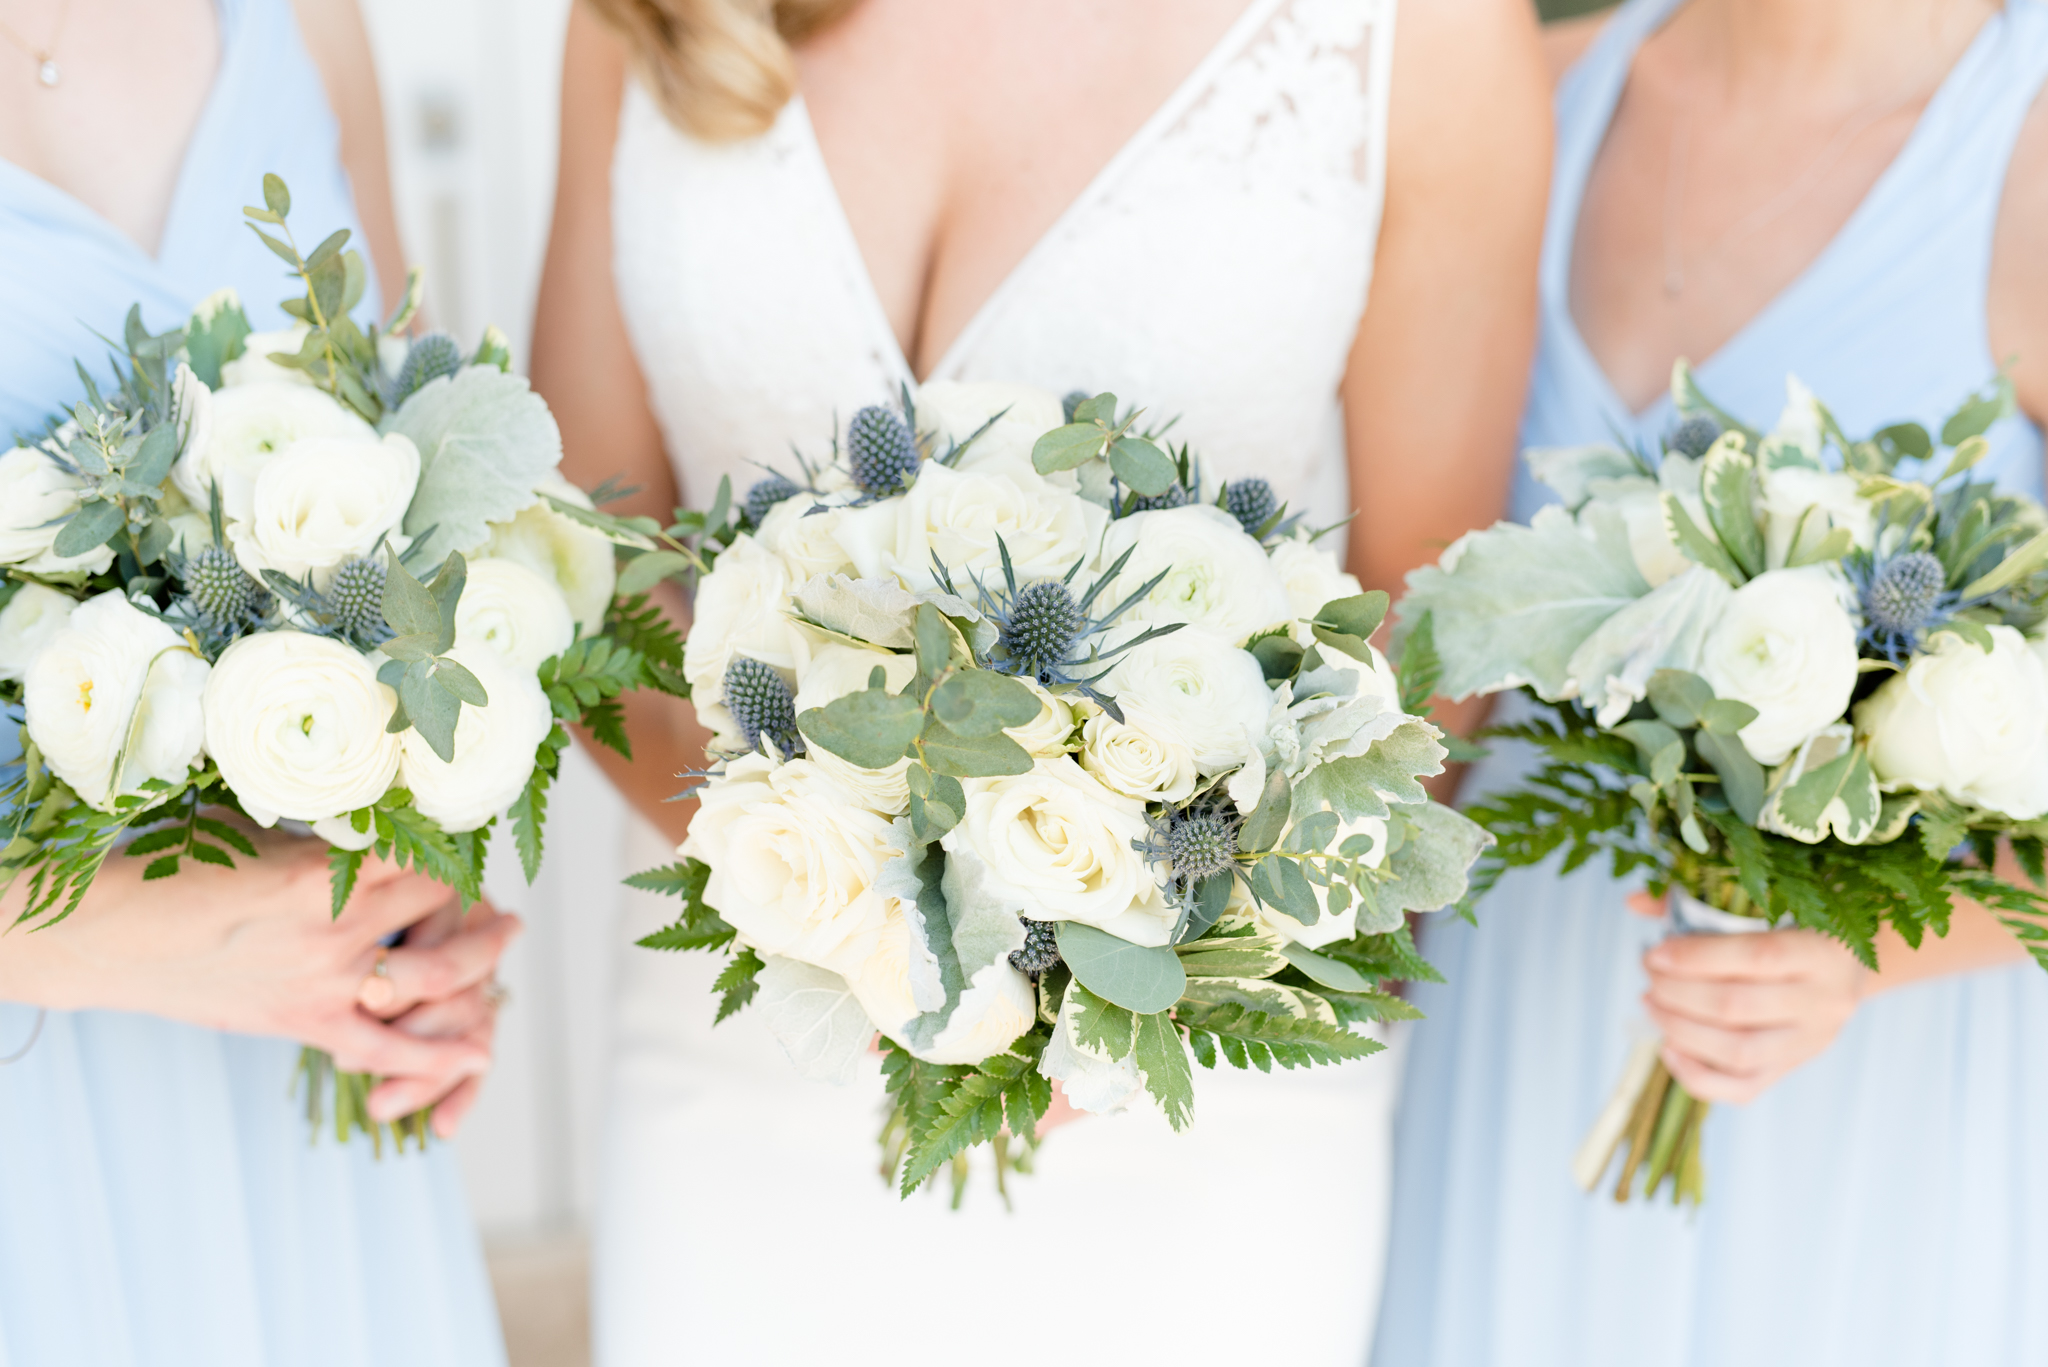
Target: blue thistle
(222,593)
(1903,598)
(1043,623)
(1251,502)
(1201,841)
(881,451)
(1694,437)
(766,493)
(1175,497)
(761,705)
(1041,949)
(356,597)
(428,359)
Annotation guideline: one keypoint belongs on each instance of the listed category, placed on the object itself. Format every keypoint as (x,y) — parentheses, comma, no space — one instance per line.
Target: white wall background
(470,102)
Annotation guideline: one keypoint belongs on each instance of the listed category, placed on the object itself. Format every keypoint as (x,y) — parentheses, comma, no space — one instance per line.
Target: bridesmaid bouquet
(1797,685)
(326,576)
(1045,768)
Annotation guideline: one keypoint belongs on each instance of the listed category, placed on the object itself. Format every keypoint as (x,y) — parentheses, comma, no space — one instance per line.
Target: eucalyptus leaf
(1210,900)
(1279,656)
(1139,978)
(432,708)
(152,464)
(92,526)
(1359,615)
(649,568)
(1679,696)
(979,703)
(1143,467)
(1973,418)
(1903,441)
(1322,969)
(1100,408)
(949,752)
(872,729)
(451,675)
(934,642)
(1742,778)
(1277,881)
(409,608)
(1063,448)
(1726,716)
(1263,828)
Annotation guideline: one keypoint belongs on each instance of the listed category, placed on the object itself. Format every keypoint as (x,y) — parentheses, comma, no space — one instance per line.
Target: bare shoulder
(2018,302)
(1470,97)
(1565,41)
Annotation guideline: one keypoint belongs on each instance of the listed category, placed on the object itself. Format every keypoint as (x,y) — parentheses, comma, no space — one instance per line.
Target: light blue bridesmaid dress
(1887,1204)
(160,1205)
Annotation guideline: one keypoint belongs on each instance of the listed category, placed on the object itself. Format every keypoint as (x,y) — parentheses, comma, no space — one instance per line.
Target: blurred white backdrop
(470,103)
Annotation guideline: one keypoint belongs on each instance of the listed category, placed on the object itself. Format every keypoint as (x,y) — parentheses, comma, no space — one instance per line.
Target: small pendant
(48,73)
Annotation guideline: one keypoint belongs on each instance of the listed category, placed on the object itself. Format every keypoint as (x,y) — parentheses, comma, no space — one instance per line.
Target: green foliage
(945,1110)
(583,683)
(737,983)
(336,354)
(406,837)
(180,838)
(1254,1039)
(641,627)
(700,926)
(431,686)
(529,811)
(1139,978)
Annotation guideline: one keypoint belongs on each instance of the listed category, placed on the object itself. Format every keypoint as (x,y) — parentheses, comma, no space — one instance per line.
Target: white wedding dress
(1216,269)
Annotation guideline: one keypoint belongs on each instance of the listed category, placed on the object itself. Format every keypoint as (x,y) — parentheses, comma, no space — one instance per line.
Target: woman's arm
(583,365)
(340,47)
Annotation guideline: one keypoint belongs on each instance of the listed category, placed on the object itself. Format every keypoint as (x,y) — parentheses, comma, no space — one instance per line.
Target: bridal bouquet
(1790,679)
(1044,767)
(325,576)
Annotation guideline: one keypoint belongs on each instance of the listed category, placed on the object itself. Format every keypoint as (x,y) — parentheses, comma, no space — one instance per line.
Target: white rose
(579,559)
(34,492)
(247,429)
(807,542)
(1312,577)
(1971,725)
(1055,845)
(254,367)
(742,608)
(961,517)
(834,671)
(877,964)
(1045,735)
(1138,756)
(512,612)
(998,1006)
(951,411)
(1822,498)
(296,724)
(34,615)
(794,860)
(494,747)
(1786,646)
(1200,691)
(325,501)
(115,685)
(1217,576)
(1328,927)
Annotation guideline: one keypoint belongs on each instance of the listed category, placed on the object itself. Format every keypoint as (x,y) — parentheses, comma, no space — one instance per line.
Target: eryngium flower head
(1200,843)
(428,359)
(1175,497)
(881,451)
(1694,436)
(357,596)
(1044,622)
(1251,502)
(760,704)
(766,493)
(220,589)
(1903,595)
(1041,950)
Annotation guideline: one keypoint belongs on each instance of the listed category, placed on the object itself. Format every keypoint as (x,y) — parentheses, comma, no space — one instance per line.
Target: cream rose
(806,541)
(509,611)
(834,671)
(1216,576)
(115,690)
(34,492)
(1055,845)
(578,559)
(794,859)
(296,724)
(741,609)
(1138,757)
(248,428)
(1045,735)
(1199,691)
(1966,723)
(951,411)
(961,517)
(1786,646)
(325,501)
(494,746)
(32,616)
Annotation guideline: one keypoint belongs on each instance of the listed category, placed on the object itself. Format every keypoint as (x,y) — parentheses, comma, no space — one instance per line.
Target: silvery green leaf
(92,526)
(815,1017)
(1429,867)
(1163,1062)
(1257,994)
(1726,716)
(872,728)
(1262,829)
(1063,448)
(1334,974)
(1665,629)
(1140,978)
(933,641)
(1678,695)
(1827,786)
(432,708)
(485,440)
(1363,785)
(408,607)
(459,681)
(878,611)
(979,703)
(1742,778)
(949,752)
(1977,415)
(1233,956)
(1700,544)
(1277,882)
(1143,467)
(1099,408)
(213,335)
(983,915)
(1512,603)
(1659,747)
(649,568)
(1570,470)
(1359,615)
(1728,486)
(1211,900)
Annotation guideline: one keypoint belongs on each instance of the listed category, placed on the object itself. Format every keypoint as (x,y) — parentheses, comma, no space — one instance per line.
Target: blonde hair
(720,69)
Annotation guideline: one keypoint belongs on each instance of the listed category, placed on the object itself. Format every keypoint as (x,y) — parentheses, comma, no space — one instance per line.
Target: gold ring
(381,969)
(496,994)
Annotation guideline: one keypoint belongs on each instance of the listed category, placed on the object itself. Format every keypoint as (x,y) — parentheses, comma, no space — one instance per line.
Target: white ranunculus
(1328,927)
(1197,690)
(1045,735)
(1965,723)
(795,861)
(1055,845)
(34,492)
(296,724)
(35,614)
(512,612)
(998,1006)
(952,410)
(878,964)
(494,747)
(807,541)
(254,366)
(834,671)
(325,501)
(1217,576)
(961,518)
(579,559)
(1656,555)
(115,686)
(1138,756)
(250,427)
(1312,577)
(741,610)
(1823,498)
(1785,645)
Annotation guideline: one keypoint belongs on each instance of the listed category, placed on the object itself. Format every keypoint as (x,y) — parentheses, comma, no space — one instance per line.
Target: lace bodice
(1216,269)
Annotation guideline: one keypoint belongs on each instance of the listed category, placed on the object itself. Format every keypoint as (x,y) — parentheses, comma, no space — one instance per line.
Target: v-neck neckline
(1191,88)
(182,187)
(1559,250)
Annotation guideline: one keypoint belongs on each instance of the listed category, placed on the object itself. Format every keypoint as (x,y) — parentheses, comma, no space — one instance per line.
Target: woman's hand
(457,998)
(1739,1012)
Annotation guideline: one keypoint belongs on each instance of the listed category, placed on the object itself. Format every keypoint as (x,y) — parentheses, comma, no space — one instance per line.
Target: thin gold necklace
(47,70)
